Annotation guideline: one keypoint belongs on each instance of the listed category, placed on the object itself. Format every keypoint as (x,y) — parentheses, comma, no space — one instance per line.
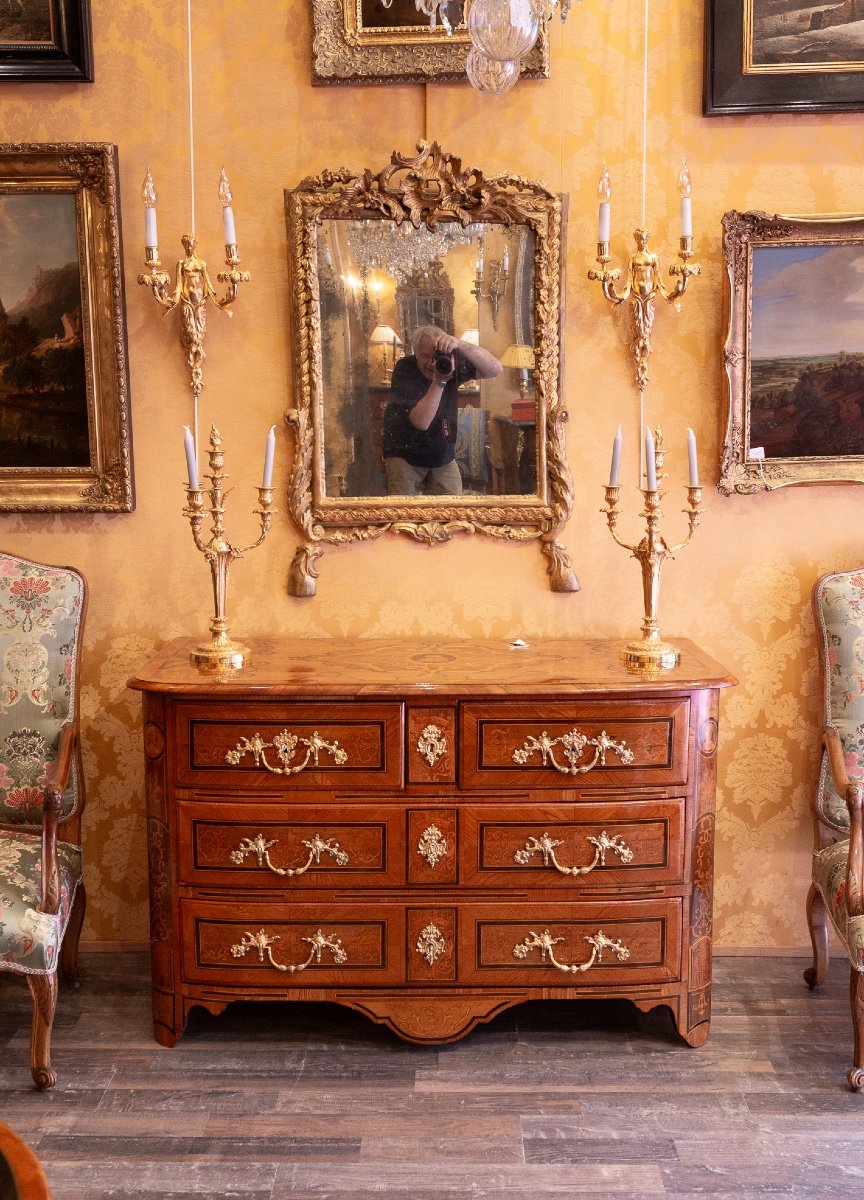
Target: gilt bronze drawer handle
(261,942)
(545,845)
(545,941)
(285,744)
(574,744)
(432,744)
(432,845)
(260,846)
(430,944)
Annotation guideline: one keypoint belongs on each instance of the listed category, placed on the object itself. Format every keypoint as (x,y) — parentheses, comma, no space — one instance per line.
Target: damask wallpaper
(741,588)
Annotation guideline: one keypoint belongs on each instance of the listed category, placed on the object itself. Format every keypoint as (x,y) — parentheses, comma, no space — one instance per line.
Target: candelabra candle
(218,551)
(650,651)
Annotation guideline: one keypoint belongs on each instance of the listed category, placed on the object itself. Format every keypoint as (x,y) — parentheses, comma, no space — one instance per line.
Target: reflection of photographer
(420,419)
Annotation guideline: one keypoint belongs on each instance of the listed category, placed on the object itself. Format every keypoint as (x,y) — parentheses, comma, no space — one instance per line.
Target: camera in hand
(444,365)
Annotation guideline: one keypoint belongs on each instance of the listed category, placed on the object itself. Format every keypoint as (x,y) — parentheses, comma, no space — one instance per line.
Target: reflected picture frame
(54,44)
(346,49)
(794,352)
(76,418)
(754,67)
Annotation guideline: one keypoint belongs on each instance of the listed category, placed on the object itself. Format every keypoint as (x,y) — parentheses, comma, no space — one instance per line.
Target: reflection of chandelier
(502,32)
(401,251)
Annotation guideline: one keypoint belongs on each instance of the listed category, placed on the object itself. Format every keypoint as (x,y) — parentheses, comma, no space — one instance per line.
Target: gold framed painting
(783,56)
(44,40)
(65,433)
(794,353)
(369,42)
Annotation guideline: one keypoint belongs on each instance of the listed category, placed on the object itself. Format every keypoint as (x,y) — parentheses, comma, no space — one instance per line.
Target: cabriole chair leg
(817,920)
(43,989)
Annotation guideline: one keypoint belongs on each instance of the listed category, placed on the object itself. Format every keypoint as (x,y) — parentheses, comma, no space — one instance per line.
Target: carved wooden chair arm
(853,793)
(55,789)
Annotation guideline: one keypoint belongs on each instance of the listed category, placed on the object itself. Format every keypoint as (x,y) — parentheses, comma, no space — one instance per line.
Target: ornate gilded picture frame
(783,56)
(359,41)
(794,351)
(45,40)
(65,434)
(376,256)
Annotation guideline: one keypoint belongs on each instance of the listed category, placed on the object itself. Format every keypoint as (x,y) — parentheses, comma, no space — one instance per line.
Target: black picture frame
(68,58)
(729,89)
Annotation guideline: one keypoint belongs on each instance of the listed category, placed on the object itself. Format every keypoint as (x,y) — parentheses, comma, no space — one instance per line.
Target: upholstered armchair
(41,786)
(838,860)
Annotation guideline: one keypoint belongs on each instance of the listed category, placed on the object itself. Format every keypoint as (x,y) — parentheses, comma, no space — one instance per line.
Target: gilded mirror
(378,259)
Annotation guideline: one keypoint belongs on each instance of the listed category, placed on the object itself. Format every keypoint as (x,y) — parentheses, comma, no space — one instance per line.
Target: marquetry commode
(430,831)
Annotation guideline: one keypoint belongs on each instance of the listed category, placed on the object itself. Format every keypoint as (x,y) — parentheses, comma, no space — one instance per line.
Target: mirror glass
(379,283)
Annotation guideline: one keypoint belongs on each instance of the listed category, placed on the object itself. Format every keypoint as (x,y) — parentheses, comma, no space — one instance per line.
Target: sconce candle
(615,469)
(148,195)
(191,458)
(227,211)
(684,190)
(650,462)
(691,458)
(269,452)
(604,217)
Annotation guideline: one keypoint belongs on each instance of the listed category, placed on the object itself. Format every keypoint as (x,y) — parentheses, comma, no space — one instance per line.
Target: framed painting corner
(783,56)
(65,422)
(44,41)
(794,352)
(359,42)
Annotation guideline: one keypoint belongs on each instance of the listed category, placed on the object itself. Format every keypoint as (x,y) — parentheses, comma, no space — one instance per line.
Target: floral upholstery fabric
(40,618)
(839,608)
(829,875)
(29,940)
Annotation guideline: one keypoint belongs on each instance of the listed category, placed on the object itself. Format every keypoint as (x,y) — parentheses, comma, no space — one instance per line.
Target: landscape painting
(805,35)
(26,21)
(43,385)
(794,353)
(807,351)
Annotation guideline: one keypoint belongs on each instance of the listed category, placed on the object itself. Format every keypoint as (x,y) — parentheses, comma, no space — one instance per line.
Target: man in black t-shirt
(419,436)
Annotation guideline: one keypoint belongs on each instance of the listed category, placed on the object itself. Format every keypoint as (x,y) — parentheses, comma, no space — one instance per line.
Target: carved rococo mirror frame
(425,193)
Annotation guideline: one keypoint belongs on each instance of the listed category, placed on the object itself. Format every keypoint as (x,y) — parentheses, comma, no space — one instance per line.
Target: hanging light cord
(191,116)
(644,110)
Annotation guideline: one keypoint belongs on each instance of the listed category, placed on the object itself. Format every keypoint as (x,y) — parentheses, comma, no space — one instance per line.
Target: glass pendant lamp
(504,30)
(491,76)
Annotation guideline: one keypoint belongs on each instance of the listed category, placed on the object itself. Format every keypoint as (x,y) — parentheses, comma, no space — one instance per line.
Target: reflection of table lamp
(472,336)
(522,358)
(384,336)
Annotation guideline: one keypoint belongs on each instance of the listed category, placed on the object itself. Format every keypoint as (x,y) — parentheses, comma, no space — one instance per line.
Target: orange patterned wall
(742,588)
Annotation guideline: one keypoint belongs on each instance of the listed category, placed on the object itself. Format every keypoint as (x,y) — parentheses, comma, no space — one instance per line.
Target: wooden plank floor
(559,1100)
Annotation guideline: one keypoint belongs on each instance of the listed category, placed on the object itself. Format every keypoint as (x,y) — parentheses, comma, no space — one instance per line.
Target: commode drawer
(581,847)
(289,745)
(290,946)
(579,745)
(288,847)
(613,944)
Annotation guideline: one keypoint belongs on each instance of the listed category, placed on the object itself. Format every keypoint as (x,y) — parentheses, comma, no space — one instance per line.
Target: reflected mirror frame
(424,189)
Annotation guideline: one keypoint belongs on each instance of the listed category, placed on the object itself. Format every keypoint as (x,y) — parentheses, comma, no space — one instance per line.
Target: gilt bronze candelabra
(221,650)
(651,552)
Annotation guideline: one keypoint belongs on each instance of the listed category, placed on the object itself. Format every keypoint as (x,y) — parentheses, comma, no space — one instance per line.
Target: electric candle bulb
(269,452)
(615,469)
(684,188)
(191,464)
(148,195)
(691,458)
(604,221)
(650,462)
(227,212)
